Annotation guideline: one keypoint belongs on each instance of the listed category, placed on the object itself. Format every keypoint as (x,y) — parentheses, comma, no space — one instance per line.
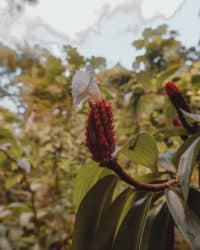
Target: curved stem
(154,187)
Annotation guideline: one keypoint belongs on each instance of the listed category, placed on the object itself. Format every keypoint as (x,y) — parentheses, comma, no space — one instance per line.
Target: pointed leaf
(194,201)
(159,230)
(186,165)
(186,220)
(183,148)
(87,176)
(107,228)
(142,150)
(124,212)
(131,231)
(90,211)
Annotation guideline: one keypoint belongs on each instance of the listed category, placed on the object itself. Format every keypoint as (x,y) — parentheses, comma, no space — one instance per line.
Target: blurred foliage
(162,50)
(41,143)
(76,61)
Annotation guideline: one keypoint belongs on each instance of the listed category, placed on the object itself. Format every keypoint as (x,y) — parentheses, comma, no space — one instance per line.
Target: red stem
(154,187)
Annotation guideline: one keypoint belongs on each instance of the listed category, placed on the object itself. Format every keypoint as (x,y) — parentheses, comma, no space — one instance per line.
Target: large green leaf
(183,148)
(90,211)
(87,176)
(125,209)
(132,228)
(142,149)
(186,220)
(194,200)
(159,230)
(186,165)
(108,224)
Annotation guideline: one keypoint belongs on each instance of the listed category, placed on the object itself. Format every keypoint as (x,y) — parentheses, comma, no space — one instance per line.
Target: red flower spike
(179,102)
(99,132)
(176,97)
(171,88)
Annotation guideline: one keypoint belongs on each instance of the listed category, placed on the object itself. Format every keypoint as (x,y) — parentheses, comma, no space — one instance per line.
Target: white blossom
(84,83)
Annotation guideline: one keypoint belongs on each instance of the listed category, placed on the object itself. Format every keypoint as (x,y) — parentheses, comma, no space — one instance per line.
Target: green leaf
(124,212)
(137,90)
(87,176)
(194,201)
(186,164)
(108,224)
(168,132)
(183,148)
(5,134)
(142,149)
(131,231)
(159,230)
(161,29)
(194,117)
(147,178)
(144,78)
(6,137)
(195,79)
(13,180)
(138,44)
(90,211)
(186,220)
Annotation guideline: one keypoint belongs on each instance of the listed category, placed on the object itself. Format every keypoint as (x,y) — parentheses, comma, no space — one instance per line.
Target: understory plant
(116,208)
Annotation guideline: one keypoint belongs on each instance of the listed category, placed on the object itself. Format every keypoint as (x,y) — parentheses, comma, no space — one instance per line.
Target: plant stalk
(154,187)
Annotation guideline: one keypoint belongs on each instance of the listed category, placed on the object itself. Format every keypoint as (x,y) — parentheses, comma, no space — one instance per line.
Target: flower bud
(176,97)
(180,103)
(99,132)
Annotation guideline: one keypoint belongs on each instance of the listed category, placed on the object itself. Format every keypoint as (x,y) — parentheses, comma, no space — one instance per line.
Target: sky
(97,27)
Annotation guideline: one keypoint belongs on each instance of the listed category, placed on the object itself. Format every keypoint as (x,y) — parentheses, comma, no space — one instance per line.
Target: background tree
(161,50)
(42,145)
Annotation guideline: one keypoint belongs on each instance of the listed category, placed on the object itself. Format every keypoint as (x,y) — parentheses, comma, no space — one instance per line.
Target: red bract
(180,103)
(176,122)
(176,97)
(99,132)
(171,88)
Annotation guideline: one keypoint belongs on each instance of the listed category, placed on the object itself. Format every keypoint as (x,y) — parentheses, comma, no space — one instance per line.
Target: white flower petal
(94,92)
(84,84)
